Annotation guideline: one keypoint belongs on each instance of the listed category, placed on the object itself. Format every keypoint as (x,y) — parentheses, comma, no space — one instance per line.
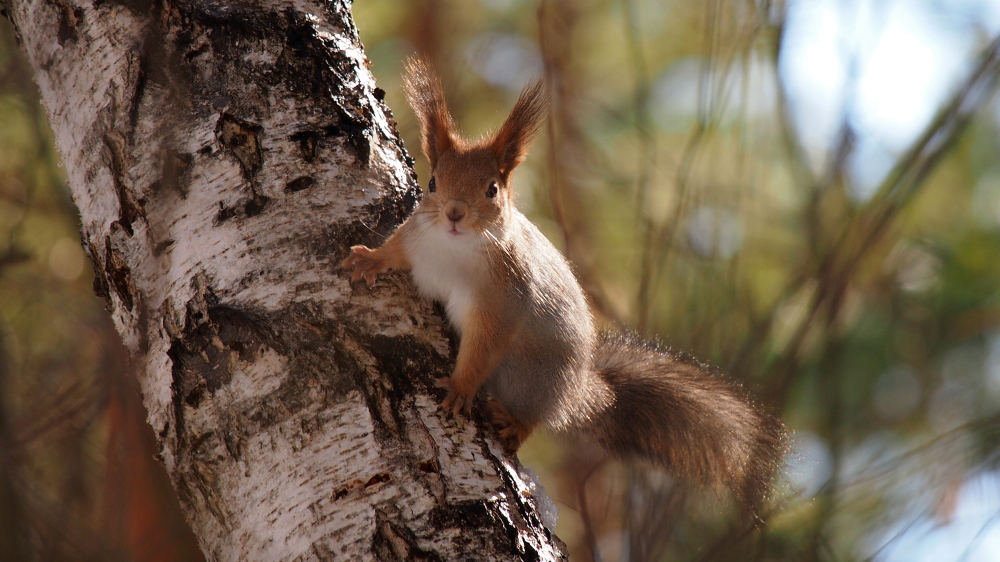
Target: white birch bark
(224,155)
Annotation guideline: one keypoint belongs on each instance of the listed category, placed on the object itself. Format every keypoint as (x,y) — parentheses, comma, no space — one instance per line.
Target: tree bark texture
(224,155)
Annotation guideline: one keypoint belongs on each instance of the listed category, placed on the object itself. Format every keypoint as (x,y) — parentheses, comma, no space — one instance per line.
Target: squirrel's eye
(431,186)
(491,191)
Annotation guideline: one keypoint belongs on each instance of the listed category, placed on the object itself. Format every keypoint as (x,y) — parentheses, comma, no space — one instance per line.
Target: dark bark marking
(69,18)
(346,489)
(162,247)
(119,276)
(353,129)
(313,57)
(174,171)
(402,359)
(101,286)
(141,80)
(310,55)
(177,392)
(244,332)
(246,19)
(298,184)
(130,208)
(241,139)
(198,443)
(199,483)
(246,208)
(393,540)
(379,478)
(255,205)
(225,213)
(137,7)
(307,141)
(358,484)
(204,352)
(196,51)
(523,503)
(471,514)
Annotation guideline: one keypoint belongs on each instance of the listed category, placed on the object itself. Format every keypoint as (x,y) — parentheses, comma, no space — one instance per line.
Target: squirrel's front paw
(458,400)
(364,262)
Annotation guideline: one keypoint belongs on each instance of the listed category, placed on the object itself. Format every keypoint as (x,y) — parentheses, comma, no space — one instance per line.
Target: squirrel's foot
(457,399)
(511,433)
(364,262)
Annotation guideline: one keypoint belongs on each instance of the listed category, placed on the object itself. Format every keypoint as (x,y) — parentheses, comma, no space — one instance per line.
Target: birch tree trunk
(224,155)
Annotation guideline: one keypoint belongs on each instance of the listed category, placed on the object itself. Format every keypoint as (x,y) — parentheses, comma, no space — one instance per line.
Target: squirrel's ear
(423,90)
(510,144)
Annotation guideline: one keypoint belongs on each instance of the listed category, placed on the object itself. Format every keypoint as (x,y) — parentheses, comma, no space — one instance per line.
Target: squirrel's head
(469,188)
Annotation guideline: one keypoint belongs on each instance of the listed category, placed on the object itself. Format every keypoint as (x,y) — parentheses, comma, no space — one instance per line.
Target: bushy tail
(679,414)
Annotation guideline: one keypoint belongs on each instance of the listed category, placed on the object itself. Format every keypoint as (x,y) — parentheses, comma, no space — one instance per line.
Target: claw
(456,401)
(363,264)
(452,403)
(355,256)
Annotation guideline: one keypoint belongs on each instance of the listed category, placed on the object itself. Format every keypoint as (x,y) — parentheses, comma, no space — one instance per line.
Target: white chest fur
(446,268)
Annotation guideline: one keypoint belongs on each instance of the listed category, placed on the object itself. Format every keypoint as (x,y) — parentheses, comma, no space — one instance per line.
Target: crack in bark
(130,208)
(174,172)
(118,274)
(70,18)
(394,541)
(240,138)
(307,141)
(300,183)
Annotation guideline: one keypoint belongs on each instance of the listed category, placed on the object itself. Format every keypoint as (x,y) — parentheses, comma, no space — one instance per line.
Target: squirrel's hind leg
(511,432)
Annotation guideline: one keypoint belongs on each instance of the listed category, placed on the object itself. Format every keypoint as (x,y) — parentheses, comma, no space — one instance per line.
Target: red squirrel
(527,336)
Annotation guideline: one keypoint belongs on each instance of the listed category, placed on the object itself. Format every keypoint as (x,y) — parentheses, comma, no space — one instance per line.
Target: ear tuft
(510,144)
(438,133)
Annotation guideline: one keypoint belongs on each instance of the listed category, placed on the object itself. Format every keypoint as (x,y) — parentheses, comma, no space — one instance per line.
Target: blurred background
(805,193)
(78,480)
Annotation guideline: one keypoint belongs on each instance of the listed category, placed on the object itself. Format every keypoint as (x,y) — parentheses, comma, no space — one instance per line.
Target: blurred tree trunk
(223,156)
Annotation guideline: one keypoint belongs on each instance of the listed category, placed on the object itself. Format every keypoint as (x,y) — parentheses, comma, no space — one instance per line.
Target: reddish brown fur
(484,343)
(426,96)
(510,144)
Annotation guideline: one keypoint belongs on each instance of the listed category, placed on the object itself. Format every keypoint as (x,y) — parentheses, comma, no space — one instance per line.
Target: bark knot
(241,140)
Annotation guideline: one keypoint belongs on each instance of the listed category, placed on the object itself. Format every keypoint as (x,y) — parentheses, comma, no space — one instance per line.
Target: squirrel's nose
(454,210)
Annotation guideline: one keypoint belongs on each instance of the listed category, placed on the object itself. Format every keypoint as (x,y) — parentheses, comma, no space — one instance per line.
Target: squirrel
(527,335)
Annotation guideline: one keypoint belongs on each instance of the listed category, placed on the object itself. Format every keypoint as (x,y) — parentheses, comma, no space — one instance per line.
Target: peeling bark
(224,156)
